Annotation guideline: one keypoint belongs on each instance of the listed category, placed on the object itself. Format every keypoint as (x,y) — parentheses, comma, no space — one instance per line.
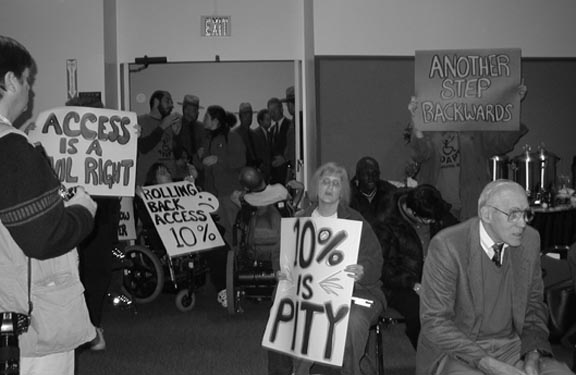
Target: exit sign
(216,25)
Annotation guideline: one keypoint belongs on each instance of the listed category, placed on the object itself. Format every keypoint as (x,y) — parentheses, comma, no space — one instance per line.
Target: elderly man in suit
(481,301)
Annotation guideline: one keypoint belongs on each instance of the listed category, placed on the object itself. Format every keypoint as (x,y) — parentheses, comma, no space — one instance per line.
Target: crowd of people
(215,151)
(471,291)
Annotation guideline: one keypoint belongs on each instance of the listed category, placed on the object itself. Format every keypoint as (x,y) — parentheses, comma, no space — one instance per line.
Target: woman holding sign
(330,194)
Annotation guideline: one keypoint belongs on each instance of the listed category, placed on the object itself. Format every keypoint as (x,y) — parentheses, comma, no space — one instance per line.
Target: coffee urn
(499,165)
(535,171)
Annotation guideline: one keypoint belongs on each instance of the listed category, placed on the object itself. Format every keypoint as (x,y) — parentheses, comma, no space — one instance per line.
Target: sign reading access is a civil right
(90,147)
(465,90)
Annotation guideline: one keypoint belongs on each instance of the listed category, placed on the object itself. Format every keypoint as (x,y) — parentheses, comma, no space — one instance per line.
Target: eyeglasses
(516,215)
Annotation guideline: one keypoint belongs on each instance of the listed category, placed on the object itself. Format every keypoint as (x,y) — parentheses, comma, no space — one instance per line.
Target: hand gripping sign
(181,215)
(90,147)
(309,317)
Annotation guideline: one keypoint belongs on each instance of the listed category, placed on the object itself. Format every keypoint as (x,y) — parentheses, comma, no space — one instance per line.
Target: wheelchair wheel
(185,300)
(143,276)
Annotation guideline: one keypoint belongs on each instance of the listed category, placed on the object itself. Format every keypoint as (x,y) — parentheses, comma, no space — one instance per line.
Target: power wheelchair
(254,255)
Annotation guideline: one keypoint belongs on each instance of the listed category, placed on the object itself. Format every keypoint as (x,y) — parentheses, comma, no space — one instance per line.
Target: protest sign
(127,224)
(90,147)
(181,215)
(309,317)
(466,90)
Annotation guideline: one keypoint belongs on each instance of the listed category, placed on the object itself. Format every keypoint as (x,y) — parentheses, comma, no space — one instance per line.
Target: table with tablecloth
(556,225)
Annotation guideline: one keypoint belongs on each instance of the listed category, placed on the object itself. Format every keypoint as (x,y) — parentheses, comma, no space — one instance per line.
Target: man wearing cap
(280,147)
(245,114)
(190,135)
(156,141)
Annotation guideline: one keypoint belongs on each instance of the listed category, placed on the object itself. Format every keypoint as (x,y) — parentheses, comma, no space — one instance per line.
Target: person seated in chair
(258,193)
(370,195)
(417,214)
(159,174)
(481,302)
(263,206)
(330,192)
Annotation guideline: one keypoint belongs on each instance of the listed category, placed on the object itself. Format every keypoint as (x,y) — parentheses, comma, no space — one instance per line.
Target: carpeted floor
(157,338)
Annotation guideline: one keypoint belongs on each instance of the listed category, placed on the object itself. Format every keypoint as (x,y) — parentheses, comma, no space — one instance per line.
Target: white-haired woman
(330,194)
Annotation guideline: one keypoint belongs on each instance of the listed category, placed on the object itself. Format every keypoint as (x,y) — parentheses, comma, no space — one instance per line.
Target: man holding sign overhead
(466,109)
(331,191)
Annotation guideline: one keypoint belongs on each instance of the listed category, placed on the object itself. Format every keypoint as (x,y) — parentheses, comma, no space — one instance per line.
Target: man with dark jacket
(280,148)
(370,195)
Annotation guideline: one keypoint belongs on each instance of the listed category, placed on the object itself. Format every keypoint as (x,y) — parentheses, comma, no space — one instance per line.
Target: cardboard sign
(181,215)
(127,224)
(466,90)
(90,147)
(309,318)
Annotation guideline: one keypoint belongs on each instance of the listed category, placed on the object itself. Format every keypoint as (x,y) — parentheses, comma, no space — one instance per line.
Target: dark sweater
(30,206)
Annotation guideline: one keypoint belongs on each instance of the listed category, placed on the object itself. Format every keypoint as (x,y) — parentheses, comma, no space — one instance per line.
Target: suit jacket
(280,146)
(262,150)
(280,141)
(451,299)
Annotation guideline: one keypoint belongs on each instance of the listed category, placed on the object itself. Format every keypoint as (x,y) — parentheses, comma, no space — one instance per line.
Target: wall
(266,30)
(399,27)
(111,67)
(375,29)
(371,96)
(54,31)
(261,30)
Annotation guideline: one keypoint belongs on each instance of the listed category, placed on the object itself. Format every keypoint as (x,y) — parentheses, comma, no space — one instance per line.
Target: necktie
(275,130)
(497,254)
